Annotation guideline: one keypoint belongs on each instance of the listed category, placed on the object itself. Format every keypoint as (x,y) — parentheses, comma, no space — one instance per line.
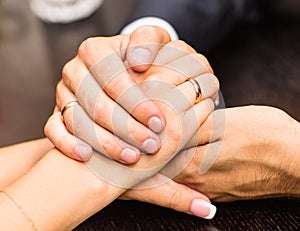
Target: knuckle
(58,93)
(89,46)
(137,133)
(180,44)
(175,199)
(132,130)
(67,71)
(107,146)
(205,63)
(99,109)
(85,47)
(113,85)
(216,82)
(213,82)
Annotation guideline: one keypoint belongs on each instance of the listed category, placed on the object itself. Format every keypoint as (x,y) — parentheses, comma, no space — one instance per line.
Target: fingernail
(129,156)
(83,151)
(141,56)
(150,146)
(155,124)
(202,208)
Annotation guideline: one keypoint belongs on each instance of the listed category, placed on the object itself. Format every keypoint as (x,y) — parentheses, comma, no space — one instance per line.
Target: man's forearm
(293,183)
(282,157)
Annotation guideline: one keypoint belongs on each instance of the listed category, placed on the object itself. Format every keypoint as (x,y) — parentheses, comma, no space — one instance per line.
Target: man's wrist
(291,158)
(295,160)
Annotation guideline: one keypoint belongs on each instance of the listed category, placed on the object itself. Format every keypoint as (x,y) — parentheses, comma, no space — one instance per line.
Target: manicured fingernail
(83,151)
(155,124)
(129,156)
(150,146)
(202,208)
(141,56)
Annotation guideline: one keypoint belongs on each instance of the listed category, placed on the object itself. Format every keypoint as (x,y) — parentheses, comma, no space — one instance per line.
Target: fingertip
(129,156)
(151,145)
(156,124)
(156,120)
(82,151)
(140,68)
(202,208)
(149,115)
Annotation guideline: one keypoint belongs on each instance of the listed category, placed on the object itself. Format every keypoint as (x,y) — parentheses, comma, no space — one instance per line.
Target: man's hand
(253,153)
(97,77)
(176,99)
(172,195)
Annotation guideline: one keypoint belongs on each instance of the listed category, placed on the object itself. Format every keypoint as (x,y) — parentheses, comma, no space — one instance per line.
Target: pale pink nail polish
(129,156)
(83,151)
(155,124)
(202,208)
(150,146)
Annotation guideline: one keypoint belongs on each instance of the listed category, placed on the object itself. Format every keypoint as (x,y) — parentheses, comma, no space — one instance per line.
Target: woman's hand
(254,152)
(165,83)
(117,133)
(97,77)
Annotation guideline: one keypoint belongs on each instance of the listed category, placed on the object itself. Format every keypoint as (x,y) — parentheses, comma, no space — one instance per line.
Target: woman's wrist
(59,193)
(19,158)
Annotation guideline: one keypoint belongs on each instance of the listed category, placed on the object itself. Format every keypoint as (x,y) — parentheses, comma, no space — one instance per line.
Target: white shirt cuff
(152,21)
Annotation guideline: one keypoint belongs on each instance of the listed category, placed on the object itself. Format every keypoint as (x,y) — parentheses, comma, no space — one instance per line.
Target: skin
(55,195)
(265,162)
(77,82)
(54,190)
(262,149)
(179,109)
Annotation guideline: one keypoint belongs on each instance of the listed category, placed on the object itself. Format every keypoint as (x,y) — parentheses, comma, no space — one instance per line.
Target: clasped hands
(131,105)
(113,80)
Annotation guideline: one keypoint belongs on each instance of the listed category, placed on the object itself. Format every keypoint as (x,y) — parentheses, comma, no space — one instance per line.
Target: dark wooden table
(264,57)
(268,215)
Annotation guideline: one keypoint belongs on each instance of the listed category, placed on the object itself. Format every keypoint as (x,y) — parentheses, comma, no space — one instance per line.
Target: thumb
(174,196)
(144,45)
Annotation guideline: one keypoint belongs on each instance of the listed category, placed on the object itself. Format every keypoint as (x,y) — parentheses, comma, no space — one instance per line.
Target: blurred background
(32,54)
(257,63)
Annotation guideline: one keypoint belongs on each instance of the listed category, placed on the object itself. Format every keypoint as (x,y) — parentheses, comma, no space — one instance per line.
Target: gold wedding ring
(197,88)
(67,106)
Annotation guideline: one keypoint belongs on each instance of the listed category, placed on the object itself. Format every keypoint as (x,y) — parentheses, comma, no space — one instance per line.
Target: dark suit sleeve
(201,23)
